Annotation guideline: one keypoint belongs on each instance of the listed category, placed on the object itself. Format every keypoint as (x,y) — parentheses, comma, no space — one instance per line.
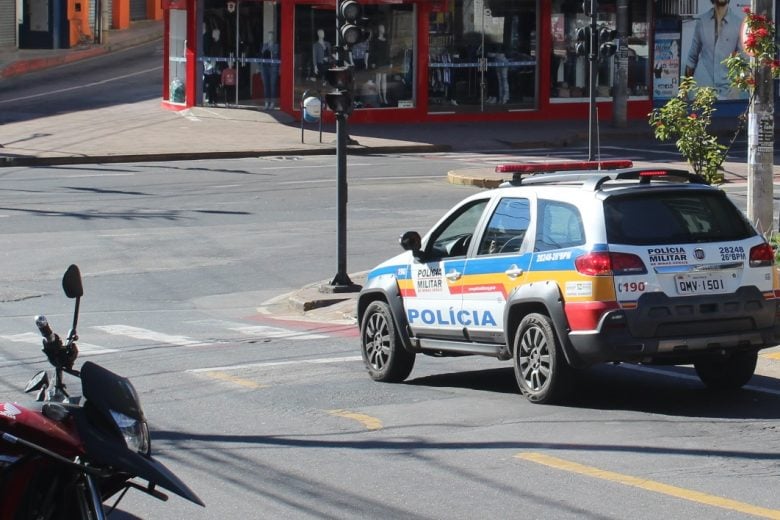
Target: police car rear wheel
(727,373)
(541,370)
(385,357)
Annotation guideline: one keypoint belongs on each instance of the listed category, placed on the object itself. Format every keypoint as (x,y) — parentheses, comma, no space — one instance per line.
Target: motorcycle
(68,458)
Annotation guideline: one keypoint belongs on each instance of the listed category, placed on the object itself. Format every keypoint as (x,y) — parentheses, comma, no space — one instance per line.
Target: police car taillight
(603,263)
(762,255)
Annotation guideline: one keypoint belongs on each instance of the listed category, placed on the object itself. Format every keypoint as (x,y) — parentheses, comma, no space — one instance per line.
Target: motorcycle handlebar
(43,326)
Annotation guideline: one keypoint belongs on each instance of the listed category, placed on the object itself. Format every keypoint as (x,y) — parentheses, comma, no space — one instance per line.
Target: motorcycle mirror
(71,282)
(39,380)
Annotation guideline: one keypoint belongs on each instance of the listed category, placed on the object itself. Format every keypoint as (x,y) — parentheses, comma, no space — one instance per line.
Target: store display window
(483,56)
(384,64)
(570,73)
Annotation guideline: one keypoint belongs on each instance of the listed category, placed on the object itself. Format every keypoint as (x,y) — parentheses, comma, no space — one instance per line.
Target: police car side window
(507,226)
(559,226)
(454,236)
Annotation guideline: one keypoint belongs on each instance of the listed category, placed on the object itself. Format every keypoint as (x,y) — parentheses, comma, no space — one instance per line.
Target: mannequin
(210,73)
(379,58)
(359,53)
(321,52)
(270,69)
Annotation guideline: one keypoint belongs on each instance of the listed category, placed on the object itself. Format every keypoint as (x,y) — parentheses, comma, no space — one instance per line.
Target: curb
(192,156)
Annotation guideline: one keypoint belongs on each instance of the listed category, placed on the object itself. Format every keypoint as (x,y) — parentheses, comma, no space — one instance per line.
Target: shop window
(240,53)
(570,72)
(483,56)
(384,64)
(177,61)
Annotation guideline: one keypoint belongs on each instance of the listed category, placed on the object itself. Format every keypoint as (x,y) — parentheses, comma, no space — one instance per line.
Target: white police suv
(559,271)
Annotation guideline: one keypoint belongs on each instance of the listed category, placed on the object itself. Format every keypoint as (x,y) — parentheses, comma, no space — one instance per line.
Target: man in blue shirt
(715,37)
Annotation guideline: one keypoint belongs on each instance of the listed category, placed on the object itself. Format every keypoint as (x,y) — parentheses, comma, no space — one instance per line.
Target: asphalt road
(270,416)
(274,417)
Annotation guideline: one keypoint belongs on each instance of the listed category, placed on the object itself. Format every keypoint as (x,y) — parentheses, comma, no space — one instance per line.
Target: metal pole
(593,57)
(341,278)
(341,282)
(761,134)
(620,84)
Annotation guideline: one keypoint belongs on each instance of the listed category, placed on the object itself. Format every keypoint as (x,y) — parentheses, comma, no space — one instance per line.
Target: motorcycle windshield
(108,391)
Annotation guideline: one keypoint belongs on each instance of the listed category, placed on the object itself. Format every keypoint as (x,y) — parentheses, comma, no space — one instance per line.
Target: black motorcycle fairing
(104,443)
(104,449)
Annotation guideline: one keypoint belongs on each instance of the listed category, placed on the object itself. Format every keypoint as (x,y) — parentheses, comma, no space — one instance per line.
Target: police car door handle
(513,271)
(453,275)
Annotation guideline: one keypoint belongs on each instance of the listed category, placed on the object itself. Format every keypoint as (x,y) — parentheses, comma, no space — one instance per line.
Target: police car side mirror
(411,241)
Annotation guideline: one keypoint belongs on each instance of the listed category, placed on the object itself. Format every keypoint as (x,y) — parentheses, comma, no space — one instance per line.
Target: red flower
(746,9)
(761,33)
(694,116)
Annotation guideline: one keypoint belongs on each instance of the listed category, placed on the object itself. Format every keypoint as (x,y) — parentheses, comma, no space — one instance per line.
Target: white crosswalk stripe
(257,331)
(85,349)
(150,335)
(128,336)
(275,332)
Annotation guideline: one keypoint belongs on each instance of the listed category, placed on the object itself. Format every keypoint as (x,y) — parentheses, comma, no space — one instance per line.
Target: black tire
(727,373)
(542,372)
(385,357)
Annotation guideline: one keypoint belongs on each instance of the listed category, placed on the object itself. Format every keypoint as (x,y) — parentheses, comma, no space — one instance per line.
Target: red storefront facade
(444,60)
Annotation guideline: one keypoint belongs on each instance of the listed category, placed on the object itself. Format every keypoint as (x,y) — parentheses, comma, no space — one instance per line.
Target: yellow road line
(224,376)
(371,423)
(649,485)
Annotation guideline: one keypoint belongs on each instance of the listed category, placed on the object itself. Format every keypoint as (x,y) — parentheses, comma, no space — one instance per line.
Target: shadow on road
(619,387)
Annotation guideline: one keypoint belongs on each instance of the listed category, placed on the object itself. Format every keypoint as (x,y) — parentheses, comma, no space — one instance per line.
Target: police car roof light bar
(562,166)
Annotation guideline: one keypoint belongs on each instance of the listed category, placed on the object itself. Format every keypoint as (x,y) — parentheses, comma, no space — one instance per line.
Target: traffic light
(340,98)
(607,43)
(350,22)
(590,7)
(582,47)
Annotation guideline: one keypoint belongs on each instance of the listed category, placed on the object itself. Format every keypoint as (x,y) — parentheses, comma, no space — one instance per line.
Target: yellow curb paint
(773,355)
(371,423)
(649,485)
(224,376)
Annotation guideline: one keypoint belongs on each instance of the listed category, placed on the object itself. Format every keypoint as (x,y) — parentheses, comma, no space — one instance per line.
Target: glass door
(240,53)
(483,56)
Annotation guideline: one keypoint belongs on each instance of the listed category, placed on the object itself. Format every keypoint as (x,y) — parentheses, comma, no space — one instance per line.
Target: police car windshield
(674,218)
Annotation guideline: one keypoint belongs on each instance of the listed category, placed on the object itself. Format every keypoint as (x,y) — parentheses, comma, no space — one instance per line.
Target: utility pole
(761,138)
(620,84)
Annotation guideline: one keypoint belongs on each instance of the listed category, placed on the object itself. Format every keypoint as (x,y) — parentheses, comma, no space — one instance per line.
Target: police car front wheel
(541,370)
(385,357)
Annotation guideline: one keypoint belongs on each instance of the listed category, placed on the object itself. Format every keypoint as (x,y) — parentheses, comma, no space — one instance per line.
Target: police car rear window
(673,218)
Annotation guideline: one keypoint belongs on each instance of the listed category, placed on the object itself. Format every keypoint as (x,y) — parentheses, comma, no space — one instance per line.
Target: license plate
(699,283)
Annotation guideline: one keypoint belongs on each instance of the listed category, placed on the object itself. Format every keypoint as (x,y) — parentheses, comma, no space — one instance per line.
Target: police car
(560,271)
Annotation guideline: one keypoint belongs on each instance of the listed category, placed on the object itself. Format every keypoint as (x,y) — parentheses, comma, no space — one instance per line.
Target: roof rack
(592,180)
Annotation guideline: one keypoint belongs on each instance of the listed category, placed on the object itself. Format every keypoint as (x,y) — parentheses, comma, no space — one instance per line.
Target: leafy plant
(686,118)
(760,51)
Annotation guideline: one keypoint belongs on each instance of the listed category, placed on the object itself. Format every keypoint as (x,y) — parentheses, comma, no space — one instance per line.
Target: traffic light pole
(341,282)
(593,59)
